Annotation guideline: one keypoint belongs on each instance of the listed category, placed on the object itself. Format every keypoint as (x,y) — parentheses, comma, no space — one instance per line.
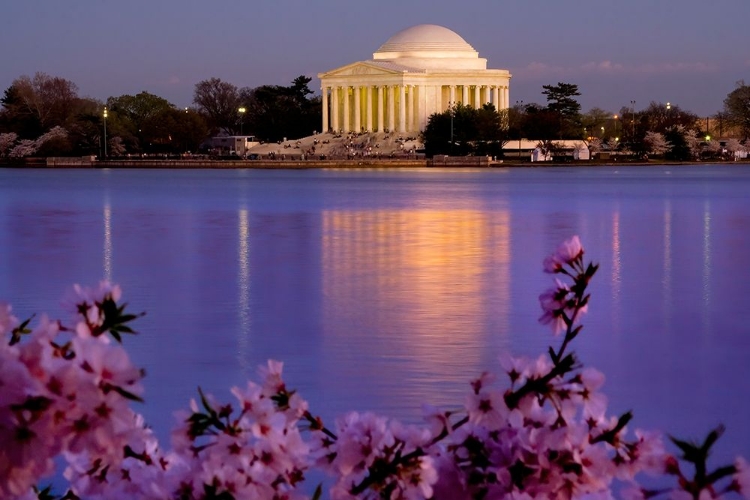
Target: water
(383,289)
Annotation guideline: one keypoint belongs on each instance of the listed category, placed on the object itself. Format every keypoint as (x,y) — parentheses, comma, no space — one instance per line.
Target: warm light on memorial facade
(419,71)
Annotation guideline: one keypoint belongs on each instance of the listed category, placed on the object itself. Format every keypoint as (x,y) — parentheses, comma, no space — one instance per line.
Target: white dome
(425,38)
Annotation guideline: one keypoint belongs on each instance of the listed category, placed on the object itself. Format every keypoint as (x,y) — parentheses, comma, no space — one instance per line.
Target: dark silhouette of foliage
(473,131)
(737,108)
(220,102)
(275,112)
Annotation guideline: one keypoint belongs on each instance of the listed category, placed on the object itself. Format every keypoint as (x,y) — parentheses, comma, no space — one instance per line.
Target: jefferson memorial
(419,71)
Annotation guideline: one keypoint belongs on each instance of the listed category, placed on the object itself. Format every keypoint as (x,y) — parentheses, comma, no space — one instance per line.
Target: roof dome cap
(422,38)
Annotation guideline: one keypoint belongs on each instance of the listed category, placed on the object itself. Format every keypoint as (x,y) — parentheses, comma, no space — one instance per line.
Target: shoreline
(458,162)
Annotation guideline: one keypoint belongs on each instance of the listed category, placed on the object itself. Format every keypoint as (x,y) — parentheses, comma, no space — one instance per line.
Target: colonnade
(400,107)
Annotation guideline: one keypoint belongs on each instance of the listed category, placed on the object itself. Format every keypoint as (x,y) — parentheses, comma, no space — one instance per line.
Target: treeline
(44,115)
(660,129)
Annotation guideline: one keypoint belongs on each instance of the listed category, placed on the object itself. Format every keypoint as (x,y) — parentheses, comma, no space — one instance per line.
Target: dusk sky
(688,52)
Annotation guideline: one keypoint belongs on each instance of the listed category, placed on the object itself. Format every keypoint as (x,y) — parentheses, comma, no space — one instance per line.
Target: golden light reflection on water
(667,273)
(243,288)
(107,216)
(616,270)
(428,273)
(706,285)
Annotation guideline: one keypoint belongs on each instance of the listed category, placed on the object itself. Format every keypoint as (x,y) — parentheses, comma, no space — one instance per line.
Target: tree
(680,147)
(656,143)
(7,141)
(56,142)
(560,99)
(50,101)
(137,119)
(659,117)
(473,131)
(219,101)
(693,143)
(737,108)
(594,120)
(276,111)
(595,145)
(539,123)
(561,103)
(734,146)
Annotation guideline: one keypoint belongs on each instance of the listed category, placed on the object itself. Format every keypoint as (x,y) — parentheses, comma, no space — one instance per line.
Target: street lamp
(616,124)
(669,114)
(242,115)
(632,103)
(105,132)
(602,132)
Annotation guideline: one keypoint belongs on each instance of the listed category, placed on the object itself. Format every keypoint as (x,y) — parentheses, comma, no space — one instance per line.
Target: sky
(688,52)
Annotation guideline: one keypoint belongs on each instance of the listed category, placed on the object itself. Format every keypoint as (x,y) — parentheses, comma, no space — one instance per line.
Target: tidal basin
(384,289)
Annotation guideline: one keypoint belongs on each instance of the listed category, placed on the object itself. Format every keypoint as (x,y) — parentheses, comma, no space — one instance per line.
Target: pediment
(360,68)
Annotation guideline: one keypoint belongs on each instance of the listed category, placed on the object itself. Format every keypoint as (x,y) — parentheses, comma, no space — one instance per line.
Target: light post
(105,132)
(669,114)
(602,133)
(632,103)
(615,124)
(242,116)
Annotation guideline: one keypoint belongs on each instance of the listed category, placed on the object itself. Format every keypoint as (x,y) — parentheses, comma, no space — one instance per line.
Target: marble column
(325,109)
(368,108)
(357,110)
(346,109)
(452,96)
(391,108)
(486,95)
(402,108)
(477,99)
(381,109)
(412,126)
(335,109)
(496,97)
(465,95)
(506,97)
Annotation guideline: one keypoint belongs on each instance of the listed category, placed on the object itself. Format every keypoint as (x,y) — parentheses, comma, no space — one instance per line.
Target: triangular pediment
(361,68)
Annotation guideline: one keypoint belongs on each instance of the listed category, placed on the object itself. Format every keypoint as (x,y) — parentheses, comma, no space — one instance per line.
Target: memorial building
(419,71)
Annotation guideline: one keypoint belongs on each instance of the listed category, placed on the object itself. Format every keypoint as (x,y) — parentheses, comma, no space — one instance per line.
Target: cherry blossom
(541,431)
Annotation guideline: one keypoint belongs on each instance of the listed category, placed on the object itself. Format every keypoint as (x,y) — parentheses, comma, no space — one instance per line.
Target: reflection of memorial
(432,280)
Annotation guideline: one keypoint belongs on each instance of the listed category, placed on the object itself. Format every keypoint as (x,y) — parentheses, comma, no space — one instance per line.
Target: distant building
(233,144)
(574,148)
(419,71)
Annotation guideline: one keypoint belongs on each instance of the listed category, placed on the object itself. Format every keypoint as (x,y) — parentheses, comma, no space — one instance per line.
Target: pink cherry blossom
(742,477)
(65,392)
(7,321)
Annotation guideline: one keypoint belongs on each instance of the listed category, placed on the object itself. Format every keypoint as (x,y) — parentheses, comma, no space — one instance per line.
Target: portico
(417,72)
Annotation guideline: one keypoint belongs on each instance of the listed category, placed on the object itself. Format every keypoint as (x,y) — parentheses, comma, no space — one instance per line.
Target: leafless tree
(219,101)
(51,100)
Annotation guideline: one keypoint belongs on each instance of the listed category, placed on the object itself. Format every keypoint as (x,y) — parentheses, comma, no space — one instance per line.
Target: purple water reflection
(382,289)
